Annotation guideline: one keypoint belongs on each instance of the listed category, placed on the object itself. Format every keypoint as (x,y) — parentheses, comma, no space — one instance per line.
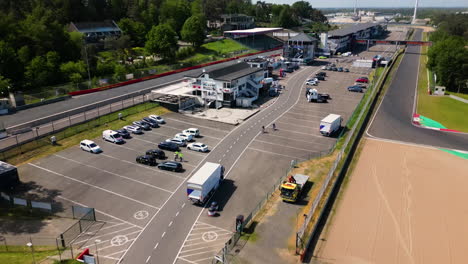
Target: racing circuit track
(393,120)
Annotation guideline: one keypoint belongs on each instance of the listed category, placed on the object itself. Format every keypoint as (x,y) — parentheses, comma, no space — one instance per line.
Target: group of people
(272,126)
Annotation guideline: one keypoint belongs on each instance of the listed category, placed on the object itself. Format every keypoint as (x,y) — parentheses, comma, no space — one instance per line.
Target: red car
(362,80)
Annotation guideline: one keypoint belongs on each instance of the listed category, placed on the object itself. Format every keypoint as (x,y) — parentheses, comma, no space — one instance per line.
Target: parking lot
(125,194)
(269,156)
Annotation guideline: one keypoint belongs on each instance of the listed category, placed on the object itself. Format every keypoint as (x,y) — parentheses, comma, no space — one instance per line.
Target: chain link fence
(70,125)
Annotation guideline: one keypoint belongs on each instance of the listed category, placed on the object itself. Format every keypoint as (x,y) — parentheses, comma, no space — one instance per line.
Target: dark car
(147,160)
(362,80)
(355,88)
(346,70)
(142,125)
(320,78)
(168,146)
(156,153)
(334,69)
(124,133)
(170,165)
(340,69)
(289,70)
(150,122)
(328,68)
(324,74)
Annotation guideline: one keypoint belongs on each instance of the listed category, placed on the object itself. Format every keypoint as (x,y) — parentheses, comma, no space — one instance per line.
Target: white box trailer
(330,124)
(204,182)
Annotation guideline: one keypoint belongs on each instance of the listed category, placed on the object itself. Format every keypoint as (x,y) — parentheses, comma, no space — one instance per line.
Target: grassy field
(225,46)
(73,135)
(443,109)
(23,255)
(464,96)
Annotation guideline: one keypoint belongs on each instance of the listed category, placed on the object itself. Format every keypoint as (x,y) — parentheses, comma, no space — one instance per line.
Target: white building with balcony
(235,85)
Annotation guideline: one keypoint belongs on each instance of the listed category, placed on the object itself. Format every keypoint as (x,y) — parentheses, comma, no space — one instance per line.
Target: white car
(133,129)
(195,132)
(312,82)
(157,118)
(187,137)
(180,142)
(90,146)
(198,147)
(324,67)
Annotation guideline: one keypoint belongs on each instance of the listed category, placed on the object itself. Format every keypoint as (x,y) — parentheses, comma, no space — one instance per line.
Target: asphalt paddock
(125,194)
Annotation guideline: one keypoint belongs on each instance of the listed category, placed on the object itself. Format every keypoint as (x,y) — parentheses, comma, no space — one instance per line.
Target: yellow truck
(291,188)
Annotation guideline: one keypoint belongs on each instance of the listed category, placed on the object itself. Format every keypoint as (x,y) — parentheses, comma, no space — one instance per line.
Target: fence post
(58,249)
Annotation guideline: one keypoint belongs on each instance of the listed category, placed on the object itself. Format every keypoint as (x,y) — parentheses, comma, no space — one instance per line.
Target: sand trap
(403,204)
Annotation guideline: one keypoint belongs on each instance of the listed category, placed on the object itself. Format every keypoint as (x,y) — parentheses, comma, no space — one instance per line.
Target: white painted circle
(119,240)
(141,215)
(209,236)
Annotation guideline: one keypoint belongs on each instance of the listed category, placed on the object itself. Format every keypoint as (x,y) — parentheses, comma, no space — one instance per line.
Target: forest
(37,50)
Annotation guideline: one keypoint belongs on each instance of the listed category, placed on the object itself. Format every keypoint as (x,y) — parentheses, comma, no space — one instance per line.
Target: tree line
(448,56)
(37,50)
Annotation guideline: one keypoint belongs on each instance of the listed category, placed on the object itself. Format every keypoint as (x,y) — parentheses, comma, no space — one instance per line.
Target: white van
(192,131)
(330,124)
(112,136)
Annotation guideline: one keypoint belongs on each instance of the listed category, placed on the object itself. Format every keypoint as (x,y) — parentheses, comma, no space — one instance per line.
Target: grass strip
(72,136)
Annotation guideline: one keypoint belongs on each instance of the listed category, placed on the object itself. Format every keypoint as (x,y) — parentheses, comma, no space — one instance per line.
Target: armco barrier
(93,90)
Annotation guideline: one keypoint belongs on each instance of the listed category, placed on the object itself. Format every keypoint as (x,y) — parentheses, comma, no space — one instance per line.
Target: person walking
(181,157)
(176,155)
(274,126)
(263,129)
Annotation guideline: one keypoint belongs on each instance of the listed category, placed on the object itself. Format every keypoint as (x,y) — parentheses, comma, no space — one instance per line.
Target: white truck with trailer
(330,124)
(314,96)
(204,182)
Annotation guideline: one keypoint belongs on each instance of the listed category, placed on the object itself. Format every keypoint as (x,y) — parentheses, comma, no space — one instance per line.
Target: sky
(376,3)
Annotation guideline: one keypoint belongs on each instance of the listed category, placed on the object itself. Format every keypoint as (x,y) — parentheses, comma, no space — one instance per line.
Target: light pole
(30,245)
(97,252)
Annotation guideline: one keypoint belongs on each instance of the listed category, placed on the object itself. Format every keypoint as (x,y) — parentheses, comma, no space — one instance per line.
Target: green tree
(136,30)
(196,8)
(119,71)
(287,18)
(194,30)
(162,40)
(448,58)
(174,12)
(302,9)
(5,85)
(72,67)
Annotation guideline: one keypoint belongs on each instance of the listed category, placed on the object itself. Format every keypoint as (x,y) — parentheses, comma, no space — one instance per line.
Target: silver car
(179,141)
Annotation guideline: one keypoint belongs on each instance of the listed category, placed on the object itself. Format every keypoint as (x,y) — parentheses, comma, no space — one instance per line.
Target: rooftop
(303,37)
(103,26)
(252,31)
(351,29)
(229,73)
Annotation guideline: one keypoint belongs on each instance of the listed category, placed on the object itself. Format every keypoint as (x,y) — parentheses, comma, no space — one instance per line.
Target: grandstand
(256,38)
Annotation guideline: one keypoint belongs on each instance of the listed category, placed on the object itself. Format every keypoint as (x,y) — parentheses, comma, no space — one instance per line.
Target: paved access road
(164,234)
(50,109)
(393,119)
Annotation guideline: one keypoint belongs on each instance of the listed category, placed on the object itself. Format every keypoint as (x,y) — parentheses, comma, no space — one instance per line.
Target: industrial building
(300,48)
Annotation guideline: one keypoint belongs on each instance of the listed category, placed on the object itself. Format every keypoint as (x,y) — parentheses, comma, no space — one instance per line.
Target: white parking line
(203,252)
(94,186)
(163,234)
(156,246)
(115,174)
(107,227)
(195,249)
(283,146)
(303,141)
(170,223)
(110,233)
(104,241)
(204,242)
(198,125)
(177,213)
(291,124)
(186,260)
(196,261)
(273,153)
(115,253)
(146,167)
(149,257)
(99,211)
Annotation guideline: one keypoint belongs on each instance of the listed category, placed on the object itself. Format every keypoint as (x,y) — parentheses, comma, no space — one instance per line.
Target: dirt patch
(403,204)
